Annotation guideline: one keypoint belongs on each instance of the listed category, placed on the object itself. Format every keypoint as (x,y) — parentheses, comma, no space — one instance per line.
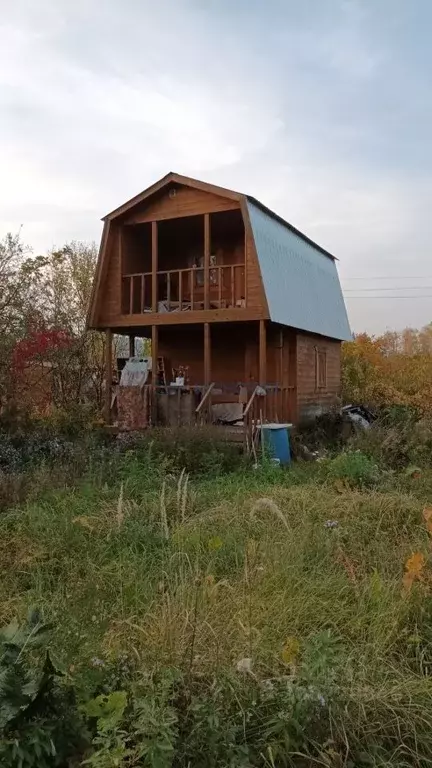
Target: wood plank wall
(186,202)
(311,400)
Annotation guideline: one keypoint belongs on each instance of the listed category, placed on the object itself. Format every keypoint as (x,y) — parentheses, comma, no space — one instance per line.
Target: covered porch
(228,374)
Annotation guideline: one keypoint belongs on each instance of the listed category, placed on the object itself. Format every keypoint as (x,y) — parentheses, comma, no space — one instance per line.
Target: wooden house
(234,299)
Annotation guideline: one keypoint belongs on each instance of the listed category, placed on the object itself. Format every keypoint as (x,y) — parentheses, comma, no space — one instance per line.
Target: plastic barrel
(276,439)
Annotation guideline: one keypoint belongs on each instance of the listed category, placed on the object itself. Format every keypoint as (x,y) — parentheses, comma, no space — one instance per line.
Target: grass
(239,584)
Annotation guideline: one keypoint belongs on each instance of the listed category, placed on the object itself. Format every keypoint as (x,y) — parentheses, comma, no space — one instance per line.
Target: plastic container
(276,438)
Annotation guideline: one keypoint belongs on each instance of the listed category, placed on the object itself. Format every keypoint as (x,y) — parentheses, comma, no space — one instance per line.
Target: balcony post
(154,230)
(206,260)
(262,353)
(108,375)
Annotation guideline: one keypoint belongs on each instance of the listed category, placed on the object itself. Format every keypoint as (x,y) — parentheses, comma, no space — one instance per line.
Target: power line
(423,296)
(391,277)
(394,288)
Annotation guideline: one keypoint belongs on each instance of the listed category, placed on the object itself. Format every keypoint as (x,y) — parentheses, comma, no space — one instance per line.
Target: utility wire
(423,296)
(391,277)
(393,288)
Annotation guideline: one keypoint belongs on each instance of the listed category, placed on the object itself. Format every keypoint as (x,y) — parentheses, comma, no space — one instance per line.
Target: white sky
(320,109)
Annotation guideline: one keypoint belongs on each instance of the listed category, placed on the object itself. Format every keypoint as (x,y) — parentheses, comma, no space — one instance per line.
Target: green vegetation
(257,617)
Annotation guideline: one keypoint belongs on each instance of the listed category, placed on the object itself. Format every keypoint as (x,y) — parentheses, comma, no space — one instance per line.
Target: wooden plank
(168,290)
(184,318)
(254,287)
(142,293)
(262,352)
(131,286)
(206,259)
(186,202)
(232,287)
(108,375)
(180,283)
(207,354)
(154,264)
(170,178)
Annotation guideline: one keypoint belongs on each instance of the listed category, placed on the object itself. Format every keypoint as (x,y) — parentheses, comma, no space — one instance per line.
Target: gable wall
(187,202)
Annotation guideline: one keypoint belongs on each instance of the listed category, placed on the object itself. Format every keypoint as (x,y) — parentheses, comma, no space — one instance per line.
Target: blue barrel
(276,438)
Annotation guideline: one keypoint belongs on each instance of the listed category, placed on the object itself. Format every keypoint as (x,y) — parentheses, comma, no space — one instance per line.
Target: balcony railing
(180,290)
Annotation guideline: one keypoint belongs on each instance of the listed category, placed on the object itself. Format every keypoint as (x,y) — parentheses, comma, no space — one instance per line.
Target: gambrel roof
(299,277)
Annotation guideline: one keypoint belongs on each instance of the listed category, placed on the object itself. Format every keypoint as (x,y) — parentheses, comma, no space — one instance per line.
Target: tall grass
(253,587)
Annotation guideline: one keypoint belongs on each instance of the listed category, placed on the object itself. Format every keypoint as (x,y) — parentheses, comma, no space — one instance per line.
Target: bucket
(276,438)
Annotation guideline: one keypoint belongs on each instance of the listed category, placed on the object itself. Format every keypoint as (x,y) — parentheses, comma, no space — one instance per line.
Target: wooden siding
(311,400)
(186,202)
(109,296)
(182,346)
(255,296)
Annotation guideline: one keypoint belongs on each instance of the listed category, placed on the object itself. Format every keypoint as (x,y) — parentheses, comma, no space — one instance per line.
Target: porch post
(262,353)
(154,351)
(131,345)
(206,259)
(207,354)
(154,231)
(108,375)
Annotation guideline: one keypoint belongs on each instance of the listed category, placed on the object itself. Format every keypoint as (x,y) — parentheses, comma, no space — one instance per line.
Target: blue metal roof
(300,279)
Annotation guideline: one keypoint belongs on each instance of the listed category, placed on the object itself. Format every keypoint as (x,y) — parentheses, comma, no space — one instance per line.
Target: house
(239,305)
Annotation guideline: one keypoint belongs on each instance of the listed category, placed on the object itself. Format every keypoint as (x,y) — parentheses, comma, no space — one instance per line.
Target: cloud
(293,103)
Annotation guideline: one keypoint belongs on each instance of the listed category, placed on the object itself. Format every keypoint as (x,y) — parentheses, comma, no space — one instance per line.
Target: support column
(207,354)
(108,375)
(155,352)
(262,353)
(131,345)
(154,231)
(206,260)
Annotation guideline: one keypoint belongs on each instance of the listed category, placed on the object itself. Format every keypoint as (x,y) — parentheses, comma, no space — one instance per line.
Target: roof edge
(169,178)
(289,226)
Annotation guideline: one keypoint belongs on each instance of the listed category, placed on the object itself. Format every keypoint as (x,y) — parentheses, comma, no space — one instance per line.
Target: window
(320,368)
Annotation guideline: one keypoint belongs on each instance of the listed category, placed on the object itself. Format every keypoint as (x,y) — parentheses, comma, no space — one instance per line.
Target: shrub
(353,467)
(397,442)
(40,726)
(199,450)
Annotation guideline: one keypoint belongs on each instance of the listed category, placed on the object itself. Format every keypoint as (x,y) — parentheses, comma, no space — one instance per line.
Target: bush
(397,442)
(198,450)
(353,467)
(40,726)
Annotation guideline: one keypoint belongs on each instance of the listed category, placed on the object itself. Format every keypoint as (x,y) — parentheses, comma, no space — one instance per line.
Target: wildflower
(331,524)
(95,662)
(245,666)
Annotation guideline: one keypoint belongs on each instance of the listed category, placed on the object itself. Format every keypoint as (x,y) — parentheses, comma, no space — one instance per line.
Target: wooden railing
(180,290)
(192,405)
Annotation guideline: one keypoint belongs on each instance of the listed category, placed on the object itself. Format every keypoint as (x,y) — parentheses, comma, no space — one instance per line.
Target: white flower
(245,666)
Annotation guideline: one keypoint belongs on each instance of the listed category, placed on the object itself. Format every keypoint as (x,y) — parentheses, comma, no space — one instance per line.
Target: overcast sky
(321,109)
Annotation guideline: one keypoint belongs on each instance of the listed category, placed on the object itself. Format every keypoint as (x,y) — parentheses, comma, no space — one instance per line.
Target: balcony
(184,290)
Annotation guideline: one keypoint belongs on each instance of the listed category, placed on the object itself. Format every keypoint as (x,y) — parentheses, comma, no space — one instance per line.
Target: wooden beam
(131,345)
(154,351)
(154,229)
(206,259)
(207,354)
(262,353)
(108,375)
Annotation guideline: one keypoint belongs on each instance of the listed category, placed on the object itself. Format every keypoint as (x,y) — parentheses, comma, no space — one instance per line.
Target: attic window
(320,368)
